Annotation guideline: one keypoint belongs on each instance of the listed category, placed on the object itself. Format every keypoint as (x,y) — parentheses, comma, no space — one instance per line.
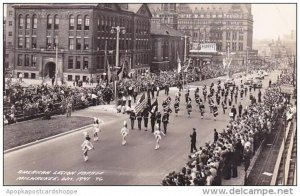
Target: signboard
(207,47)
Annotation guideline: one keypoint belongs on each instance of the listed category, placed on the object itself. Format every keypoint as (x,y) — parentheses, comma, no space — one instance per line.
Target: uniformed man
(158,119)
(146,116)
(193,140)
(132,119)
(165,120)
(139,119)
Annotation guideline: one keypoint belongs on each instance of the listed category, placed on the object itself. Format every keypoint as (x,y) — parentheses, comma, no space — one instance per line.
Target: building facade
(229,26)
(9,34)
(75,41)
(168,46)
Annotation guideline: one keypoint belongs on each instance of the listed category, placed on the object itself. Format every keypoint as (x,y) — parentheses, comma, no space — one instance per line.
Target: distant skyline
(270,20)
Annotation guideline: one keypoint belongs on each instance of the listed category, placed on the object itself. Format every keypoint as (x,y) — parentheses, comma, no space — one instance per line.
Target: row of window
(30,22)
(27,75)
(79,23)
(207,22)
(30,42)
(208,15)
(26,60)
(219,35)
(78,61)
(79,44)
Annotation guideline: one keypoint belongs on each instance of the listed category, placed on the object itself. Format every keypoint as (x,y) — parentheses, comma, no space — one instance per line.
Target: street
(137,163)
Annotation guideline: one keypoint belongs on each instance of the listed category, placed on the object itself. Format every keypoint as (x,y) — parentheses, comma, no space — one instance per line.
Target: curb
(45,139)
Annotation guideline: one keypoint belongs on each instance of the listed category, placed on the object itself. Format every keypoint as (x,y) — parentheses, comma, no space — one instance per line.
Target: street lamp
(247,60)
(185,47)
(117,30)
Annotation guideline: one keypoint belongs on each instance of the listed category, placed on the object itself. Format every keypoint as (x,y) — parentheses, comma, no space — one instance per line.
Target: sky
(272,20)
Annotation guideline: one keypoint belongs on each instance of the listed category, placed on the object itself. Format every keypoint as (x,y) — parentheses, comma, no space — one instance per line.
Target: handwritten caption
(62,176)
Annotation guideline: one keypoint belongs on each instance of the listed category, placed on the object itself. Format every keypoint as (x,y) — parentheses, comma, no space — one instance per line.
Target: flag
(179,64)
(154,107)
(140,104)
(108,71)
(120,72)
(185,68)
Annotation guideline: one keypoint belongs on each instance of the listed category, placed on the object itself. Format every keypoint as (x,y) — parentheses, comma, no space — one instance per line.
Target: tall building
(227,26)
(9,34)
(69,40)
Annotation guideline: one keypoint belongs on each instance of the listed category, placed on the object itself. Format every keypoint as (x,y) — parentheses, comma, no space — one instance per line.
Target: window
(49,22)
(86,23)
(10,13)
(70,62)
(33,61)
(20,60)
(32,75)
(234,46)
(26,75)
(54,42)
(84,78)
(27,22)
(78,62)
(49,42)
(240,46)
(21,22)
(71,22)
(26,60)
(9,23)
(27,42)
(234,35)
(9,33)
(79,23)
(241,37)
(20,42)
(78,44)
(228,35)
(86,44)
(34,23)
(33,42)
(70,77)
(71,43)
(85,63)
(56,22)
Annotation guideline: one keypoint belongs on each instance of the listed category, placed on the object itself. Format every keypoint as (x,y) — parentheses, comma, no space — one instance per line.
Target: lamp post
(185,47)
(117,30)
(56,60)
(247,61)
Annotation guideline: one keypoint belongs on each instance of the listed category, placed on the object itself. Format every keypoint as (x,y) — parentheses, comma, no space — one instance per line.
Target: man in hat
(132,119)
(233,111)
(193,140)
(146,116)
(165,120)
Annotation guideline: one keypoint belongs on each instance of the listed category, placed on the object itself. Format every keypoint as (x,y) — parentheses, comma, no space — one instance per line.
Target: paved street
(137,163)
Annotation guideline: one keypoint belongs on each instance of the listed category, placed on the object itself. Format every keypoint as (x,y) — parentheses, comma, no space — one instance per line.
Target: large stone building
(9,38)
(228,26)
(68,40)
(168,45)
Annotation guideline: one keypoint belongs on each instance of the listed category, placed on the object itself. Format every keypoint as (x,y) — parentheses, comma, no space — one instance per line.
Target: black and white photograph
(149,94)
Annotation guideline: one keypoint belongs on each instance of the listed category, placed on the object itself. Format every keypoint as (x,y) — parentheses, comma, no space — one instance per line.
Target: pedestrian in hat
(189,109)
(193,140)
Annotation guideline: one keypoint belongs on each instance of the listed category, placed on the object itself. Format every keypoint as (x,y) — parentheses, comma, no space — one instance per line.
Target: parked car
(259,77)
(229,82)
(248,82)
(257,84)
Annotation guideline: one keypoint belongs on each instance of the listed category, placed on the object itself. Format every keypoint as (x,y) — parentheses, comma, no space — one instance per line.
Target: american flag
(140,104)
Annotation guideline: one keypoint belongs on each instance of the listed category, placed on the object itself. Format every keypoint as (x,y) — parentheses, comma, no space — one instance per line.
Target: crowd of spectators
(233,146)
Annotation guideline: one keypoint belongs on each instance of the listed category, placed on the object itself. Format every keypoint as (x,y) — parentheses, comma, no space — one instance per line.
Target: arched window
(56,22)
(34,23)
(27,19)
(71,22)
(86,23)
(49,22)
(79,23)
(21,22)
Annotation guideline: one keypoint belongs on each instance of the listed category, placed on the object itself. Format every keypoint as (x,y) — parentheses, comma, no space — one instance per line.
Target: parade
(167,94)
